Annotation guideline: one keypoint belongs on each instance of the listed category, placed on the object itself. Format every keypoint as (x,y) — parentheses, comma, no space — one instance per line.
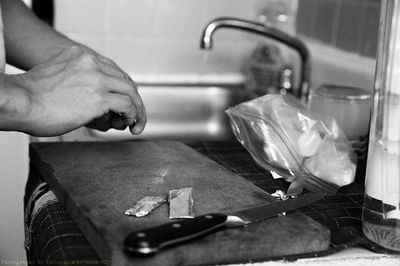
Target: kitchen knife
(150,241)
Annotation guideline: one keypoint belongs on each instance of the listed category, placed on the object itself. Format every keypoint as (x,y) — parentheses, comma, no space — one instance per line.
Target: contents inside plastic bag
(304,148)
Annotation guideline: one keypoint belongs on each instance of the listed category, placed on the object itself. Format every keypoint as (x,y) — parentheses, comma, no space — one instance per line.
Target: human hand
(75,88)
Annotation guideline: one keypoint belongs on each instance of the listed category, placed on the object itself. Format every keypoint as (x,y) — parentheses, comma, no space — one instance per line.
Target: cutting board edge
(45,171)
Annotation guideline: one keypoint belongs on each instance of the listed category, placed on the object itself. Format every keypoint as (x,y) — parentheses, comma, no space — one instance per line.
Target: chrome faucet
(266,31)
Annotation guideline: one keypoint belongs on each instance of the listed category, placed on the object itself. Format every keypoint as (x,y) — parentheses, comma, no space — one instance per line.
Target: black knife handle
(150,241)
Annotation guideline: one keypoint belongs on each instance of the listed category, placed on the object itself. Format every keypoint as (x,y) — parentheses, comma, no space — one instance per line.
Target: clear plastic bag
(305,149)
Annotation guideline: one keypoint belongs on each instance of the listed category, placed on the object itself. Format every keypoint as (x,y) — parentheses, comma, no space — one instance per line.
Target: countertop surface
(350,256)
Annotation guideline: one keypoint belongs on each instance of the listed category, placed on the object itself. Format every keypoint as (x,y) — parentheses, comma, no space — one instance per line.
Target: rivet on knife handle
(150,241)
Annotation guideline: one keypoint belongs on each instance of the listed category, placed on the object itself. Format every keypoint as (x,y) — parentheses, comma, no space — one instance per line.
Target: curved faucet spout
(270,32)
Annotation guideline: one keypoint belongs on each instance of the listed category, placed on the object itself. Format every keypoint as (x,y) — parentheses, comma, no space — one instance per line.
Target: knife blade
(150,241)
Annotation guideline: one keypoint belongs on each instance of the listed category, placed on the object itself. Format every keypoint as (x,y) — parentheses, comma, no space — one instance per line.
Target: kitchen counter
(343,210)
(350,256)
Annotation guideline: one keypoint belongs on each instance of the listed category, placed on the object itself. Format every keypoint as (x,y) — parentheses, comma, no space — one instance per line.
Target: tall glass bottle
(381,212)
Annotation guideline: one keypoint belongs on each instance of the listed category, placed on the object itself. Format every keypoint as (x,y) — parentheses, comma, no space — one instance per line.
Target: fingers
(107,121)
(117,81)
(121,104)
(101,82)
(102,123)
(126,86)
(140,124)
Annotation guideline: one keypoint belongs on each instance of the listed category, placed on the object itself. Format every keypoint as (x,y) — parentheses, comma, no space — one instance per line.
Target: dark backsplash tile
(306,18)
(325,19)
(370,36)
(350,25)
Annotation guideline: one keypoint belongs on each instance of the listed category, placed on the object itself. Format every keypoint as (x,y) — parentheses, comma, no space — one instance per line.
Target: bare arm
(67,85)
(28,40)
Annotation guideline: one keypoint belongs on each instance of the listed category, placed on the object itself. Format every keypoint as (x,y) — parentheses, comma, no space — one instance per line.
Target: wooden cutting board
(98,181)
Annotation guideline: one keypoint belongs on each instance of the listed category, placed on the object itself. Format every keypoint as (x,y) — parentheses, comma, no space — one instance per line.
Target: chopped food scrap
(181,203)
(145,206)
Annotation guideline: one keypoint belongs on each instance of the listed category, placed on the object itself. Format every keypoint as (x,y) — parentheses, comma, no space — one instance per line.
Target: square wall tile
(325,19)
(371,30)
(80,16)
(351,25)
(307,18)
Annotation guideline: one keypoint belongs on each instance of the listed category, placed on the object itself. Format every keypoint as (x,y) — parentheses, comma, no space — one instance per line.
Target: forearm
(28,40)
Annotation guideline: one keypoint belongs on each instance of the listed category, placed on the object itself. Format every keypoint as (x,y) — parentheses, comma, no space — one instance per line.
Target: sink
(184,112)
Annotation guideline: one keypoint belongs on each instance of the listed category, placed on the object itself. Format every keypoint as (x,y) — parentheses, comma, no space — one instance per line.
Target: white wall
(13,176)
(330,65)
(159,40)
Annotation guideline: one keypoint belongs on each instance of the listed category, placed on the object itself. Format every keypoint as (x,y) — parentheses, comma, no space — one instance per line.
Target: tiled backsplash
(159,39)
(350,25)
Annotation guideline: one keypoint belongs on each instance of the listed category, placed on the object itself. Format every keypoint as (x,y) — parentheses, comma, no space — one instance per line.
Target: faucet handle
(286,80)
(269,32)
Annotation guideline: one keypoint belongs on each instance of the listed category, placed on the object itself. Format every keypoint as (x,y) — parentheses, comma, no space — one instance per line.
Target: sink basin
(184,112)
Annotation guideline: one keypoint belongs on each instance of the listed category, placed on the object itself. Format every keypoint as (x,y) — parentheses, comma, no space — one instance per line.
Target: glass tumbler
(351,108)
(381,213)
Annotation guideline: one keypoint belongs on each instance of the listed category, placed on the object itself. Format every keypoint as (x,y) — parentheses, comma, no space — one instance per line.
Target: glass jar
(381,213)
(351,108)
